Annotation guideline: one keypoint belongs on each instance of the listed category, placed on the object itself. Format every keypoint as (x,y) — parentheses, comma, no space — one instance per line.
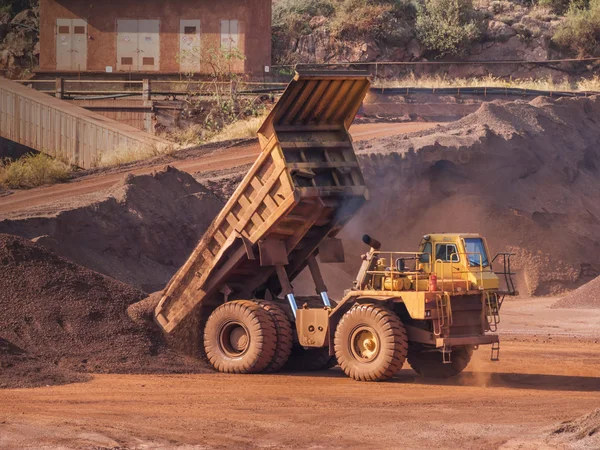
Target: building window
(229,35)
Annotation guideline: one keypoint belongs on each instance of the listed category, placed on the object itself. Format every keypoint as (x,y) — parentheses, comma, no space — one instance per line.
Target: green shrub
(385,20)
(580,32)
(33,170)
(293,16)
(16,6)
(447,27)
(382,19)
(562,6)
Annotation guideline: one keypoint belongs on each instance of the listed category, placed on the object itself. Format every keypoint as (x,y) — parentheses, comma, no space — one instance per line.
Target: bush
(580,32)
(447,27)
(33,170)
(126,155)
(16,6)
(293,16)
(243,129)
(562,6)
(385,20)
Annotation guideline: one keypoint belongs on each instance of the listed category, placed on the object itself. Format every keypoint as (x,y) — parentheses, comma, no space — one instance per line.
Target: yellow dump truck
(432,307)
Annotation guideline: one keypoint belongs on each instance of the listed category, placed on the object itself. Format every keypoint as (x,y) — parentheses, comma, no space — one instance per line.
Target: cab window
(476,253)
(446,253)
(426,256)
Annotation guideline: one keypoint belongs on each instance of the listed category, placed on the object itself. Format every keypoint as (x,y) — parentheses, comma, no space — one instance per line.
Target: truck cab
(459,261)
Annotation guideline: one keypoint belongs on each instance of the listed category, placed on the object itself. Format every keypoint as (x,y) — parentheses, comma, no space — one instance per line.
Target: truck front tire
(240,337)
(370,343)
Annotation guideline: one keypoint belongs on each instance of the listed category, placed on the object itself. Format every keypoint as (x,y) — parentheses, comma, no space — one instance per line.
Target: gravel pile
(581,433)
(58,319)
(524,174)
(585,297)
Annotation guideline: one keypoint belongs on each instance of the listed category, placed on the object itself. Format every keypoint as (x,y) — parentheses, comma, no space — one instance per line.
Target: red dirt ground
(219,160)
(515,403)
(548,374)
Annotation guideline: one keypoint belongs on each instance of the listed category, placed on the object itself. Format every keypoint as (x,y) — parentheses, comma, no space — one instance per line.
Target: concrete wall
(254,18)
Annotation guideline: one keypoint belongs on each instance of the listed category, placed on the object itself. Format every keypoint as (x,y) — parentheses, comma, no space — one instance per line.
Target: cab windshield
(476,253)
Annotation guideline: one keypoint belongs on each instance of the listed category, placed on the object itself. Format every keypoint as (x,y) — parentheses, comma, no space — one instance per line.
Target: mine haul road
(223,159)
(547,374)
(514,403)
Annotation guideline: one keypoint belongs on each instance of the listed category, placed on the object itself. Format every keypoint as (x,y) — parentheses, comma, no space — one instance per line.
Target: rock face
(512,33)
(320,46)
(499,31)
(19,42)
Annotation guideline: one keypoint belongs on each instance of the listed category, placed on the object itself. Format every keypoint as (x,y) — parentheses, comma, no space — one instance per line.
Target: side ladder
(506,273)
(492,310)
(444,321)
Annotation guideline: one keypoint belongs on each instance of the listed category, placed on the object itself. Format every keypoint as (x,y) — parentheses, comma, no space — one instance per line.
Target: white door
(138,45)
(189,46)
(79,42)
(127,50)
(63,44)
(149,45)
(71,44)
(127,45)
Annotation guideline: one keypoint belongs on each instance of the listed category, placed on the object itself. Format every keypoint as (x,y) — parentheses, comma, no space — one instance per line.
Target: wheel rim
(234,339)
(365,344)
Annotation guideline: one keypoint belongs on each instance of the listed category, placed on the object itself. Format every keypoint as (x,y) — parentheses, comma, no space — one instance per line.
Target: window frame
(446,244)
(426,252)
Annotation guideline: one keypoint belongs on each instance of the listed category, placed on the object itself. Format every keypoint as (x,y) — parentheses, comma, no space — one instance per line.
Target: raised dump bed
(304,187)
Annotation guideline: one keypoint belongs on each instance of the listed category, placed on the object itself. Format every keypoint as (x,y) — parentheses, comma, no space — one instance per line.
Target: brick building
(154,35)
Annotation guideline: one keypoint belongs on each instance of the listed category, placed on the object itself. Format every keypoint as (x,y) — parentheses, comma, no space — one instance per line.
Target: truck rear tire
(285,335)
(430,364)
(240,337)
(370,343)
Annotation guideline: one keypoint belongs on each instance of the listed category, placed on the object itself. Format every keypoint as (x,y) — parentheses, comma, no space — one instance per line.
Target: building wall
(254,18)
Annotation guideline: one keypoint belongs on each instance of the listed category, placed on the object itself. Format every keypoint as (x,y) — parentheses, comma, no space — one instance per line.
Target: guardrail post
(146,90)
(60,88)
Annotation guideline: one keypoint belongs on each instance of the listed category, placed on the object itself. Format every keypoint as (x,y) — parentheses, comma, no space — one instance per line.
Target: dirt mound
(58,317)
(583,432)
(525,175)
(139,232)
(585,297)
(20,369)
